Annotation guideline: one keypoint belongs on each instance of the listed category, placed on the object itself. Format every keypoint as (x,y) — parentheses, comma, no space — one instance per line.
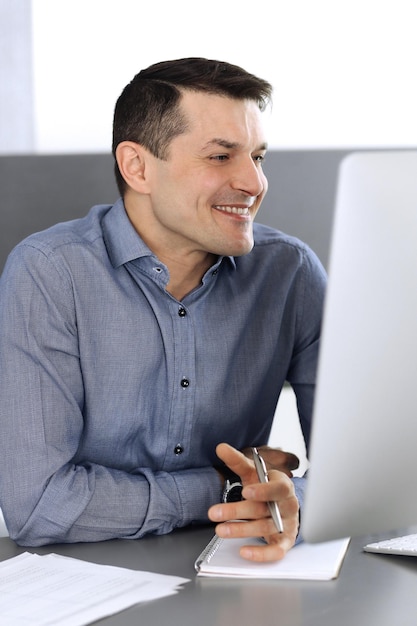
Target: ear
(131,159)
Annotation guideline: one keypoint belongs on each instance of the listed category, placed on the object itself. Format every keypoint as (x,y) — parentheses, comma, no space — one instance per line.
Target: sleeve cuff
(198,490)
(300,486)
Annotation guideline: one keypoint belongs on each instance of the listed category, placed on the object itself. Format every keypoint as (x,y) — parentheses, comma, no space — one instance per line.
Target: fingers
(275,458)
(280,488)
(244,519)
(237,462)
(253,512)
(254,508)
(273,548)
(268,552)
(254,518)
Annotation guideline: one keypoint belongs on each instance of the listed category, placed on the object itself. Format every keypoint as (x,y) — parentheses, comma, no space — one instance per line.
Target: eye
(259,158)
(220,157)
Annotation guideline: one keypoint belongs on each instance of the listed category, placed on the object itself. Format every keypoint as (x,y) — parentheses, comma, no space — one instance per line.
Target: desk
(371,589)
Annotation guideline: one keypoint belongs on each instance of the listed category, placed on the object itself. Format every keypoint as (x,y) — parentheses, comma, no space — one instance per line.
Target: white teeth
(232,209)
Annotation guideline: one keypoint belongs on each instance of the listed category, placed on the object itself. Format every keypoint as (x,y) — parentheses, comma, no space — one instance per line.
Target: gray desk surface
(371,589)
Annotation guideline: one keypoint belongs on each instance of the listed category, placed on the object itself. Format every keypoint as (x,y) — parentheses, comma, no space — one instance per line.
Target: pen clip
(260,466)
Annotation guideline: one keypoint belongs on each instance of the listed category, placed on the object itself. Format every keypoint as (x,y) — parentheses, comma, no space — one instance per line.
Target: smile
(233,209)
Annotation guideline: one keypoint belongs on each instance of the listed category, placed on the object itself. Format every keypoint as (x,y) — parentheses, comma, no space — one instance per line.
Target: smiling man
(200,201)
(139,341)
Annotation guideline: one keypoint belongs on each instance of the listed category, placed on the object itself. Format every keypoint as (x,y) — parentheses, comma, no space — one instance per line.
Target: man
(143,346)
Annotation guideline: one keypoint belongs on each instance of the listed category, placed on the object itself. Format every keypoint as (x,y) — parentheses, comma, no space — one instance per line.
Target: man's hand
(275,458)
(253,512)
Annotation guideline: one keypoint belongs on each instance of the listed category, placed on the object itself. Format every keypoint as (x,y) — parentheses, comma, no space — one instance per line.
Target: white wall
(16,110)
(286,430)
(343,70)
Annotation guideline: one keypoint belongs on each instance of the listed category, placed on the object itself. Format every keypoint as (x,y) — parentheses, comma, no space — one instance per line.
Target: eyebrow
(230,145)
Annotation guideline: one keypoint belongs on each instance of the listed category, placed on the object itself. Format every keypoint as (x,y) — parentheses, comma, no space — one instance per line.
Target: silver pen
(264,478)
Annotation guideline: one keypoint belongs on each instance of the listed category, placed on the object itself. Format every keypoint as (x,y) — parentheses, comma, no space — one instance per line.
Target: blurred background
(343,71)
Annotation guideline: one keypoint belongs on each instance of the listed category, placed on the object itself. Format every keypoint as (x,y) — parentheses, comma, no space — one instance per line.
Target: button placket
(182,405)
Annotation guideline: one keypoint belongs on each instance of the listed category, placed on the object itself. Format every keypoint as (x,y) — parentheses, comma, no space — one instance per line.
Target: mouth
(244,211)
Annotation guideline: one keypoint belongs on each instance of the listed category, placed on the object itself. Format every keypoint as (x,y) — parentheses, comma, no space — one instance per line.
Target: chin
(239,250)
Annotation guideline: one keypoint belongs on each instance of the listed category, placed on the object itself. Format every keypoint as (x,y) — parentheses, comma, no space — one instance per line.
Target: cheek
(189,184)
(207,187)
(264,183)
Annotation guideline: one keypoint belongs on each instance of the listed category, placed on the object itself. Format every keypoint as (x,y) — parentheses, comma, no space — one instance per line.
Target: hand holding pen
(257,513)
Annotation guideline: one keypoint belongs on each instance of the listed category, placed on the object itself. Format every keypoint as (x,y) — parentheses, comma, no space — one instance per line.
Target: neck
(185,275)
(186,265)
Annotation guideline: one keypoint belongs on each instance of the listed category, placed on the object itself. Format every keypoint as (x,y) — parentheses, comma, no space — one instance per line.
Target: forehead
(211,116)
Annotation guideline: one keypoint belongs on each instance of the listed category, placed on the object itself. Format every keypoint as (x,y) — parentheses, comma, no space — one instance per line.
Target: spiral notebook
(305,561)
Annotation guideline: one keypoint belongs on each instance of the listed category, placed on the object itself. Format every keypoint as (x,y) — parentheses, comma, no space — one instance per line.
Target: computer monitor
(363,456)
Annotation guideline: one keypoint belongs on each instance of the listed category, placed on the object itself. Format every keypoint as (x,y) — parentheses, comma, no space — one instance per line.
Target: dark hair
(148,112)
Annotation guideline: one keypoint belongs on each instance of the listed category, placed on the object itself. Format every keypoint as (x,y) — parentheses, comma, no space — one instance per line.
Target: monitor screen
(363,458)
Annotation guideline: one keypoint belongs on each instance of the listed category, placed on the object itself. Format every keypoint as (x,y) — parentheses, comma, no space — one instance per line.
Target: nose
(249,178)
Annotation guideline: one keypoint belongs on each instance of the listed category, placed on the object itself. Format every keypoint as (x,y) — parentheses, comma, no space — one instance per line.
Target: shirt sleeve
(46,497)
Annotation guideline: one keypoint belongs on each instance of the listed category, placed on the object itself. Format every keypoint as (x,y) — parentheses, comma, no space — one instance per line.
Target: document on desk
(52,589)
(305,561)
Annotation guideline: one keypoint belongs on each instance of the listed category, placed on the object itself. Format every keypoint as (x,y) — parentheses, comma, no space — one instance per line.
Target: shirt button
(182,312)
(214,272)
(185,383)
(178,449)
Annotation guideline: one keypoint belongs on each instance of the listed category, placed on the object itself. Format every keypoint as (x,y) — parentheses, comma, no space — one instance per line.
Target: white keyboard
(406,545)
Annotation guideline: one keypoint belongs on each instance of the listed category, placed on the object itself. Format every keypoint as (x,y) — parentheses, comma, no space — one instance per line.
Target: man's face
(205,196)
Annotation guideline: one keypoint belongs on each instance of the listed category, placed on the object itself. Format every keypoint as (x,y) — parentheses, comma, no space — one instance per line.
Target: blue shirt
(114,394)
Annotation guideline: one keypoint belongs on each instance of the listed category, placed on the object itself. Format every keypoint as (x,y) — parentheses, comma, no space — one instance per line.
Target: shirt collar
(124,244)
(122,241)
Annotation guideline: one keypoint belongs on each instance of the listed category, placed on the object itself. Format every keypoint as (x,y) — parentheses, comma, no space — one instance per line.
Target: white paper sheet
(53,589)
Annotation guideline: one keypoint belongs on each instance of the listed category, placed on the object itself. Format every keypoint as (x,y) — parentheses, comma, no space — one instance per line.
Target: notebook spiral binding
(208,551)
